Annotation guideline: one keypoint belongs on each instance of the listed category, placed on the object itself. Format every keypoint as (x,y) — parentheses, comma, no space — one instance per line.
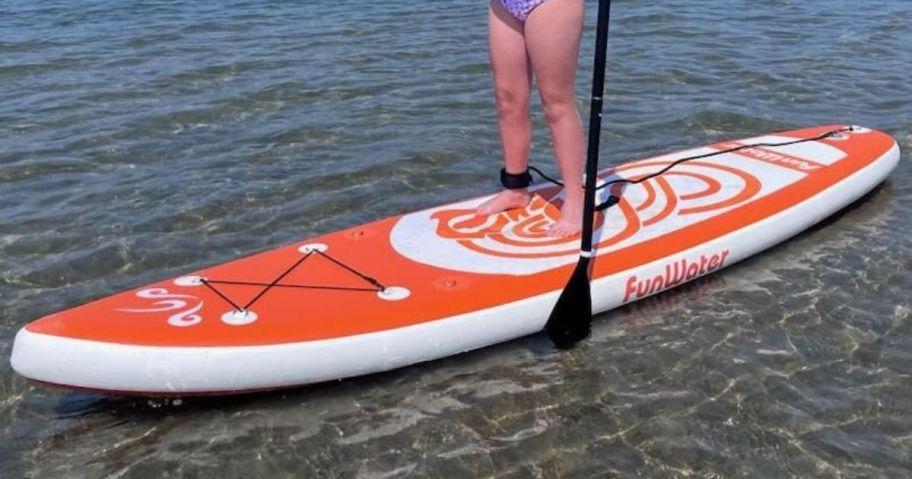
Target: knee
(511,104)
(558,107)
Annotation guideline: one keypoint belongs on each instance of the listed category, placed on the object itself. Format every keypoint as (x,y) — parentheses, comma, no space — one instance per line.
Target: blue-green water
(142,139)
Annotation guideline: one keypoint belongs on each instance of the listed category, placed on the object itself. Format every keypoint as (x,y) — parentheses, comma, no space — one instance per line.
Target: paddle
(571,318)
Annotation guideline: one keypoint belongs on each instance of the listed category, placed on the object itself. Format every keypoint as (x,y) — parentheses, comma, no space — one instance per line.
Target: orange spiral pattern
(522,233)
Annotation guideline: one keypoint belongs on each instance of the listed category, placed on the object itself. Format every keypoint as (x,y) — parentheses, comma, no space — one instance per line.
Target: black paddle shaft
(571,318)
(595,122)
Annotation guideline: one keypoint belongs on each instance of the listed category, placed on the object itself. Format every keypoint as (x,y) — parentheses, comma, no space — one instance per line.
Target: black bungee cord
(613,200)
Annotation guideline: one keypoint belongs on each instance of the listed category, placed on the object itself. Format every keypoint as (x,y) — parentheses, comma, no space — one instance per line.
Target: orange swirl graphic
(523,233)
(650,196)
(671,202)
(712,185)
(751,188)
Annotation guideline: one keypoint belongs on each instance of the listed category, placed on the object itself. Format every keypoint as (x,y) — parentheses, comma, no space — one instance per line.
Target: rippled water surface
(142,139)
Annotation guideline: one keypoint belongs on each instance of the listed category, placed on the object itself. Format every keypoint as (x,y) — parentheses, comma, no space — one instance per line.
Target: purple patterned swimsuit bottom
(520,9)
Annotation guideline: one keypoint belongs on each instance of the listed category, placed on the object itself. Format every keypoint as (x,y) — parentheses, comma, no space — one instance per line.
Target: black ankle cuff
(513,181)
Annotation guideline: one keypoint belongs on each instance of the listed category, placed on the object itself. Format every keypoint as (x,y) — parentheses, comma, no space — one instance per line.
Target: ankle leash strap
(513,181)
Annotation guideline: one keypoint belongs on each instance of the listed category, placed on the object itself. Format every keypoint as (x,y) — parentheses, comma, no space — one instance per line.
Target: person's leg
(512,87)
(552,35)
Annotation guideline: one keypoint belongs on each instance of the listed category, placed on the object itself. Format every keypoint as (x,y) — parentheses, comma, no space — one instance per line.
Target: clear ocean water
(142,139)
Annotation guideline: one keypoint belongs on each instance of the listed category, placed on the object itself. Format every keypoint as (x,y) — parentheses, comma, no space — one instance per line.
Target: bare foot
(503,201)
(571,218)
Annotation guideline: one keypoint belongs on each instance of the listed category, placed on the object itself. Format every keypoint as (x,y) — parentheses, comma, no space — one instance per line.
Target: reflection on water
(138,142)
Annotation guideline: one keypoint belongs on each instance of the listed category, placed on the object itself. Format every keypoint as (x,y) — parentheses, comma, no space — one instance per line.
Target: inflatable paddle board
(439,282)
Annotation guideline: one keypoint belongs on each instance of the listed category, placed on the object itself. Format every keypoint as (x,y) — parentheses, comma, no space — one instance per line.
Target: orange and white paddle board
(441,281)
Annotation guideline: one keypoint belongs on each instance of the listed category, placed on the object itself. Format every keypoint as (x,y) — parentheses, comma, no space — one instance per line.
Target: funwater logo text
(775,157)
(674,273)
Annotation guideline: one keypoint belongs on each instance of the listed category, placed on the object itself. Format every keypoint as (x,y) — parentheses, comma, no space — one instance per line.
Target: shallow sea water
(143,139)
